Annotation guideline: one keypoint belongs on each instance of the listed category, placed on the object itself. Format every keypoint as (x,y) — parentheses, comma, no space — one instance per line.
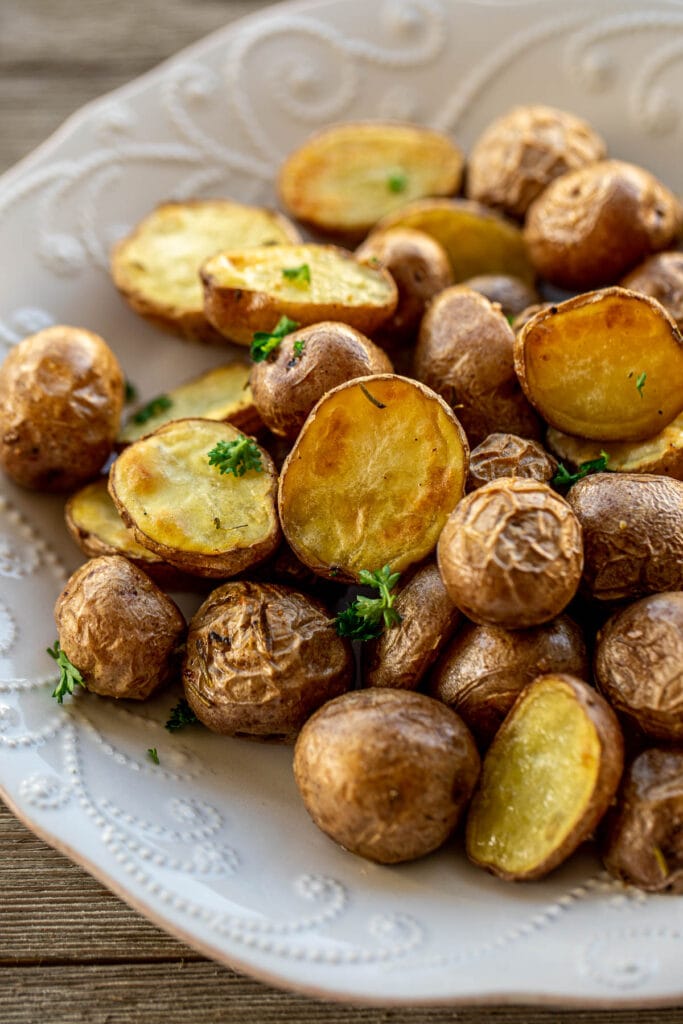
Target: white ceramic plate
(214,844)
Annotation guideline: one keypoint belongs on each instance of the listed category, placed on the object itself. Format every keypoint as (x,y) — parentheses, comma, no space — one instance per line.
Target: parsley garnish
(640,383)
(298,275)
(159,404)
(563,478)
(366,617)
(236,457)
(298,347)
(69,676)
(265,343)
(181,715)
(152,754)
(397,181)
(130,392)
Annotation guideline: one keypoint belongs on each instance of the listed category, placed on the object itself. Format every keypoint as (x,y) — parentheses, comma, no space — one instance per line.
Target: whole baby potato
(508,455)
(260,658)
(661,277)
(386,773)
(61,395)
(511,293)
(119,630)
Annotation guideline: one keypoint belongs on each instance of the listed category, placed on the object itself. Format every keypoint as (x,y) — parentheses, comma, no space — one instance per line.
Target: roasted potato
(248,291)
(386,773)
(343,179)
(508,455)
(510,554)
(305,365)
(512,295)
(61,395)
(261,658)
(523,151)
(187,508)
(661,454)
(607,365)
(632,527)
(378,466)
(547,779)
(156,267)
(643,842)
(484,669)
(593,224)
(120,631)
(527,314)
(464,353)
(661,277)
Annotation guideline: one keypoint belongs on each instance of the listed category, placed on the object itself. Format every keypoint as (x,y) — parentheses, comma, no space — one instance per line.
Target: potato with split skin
(501,455)
(304,366)
(120,631)
(386,773)
(661,454)
(372,477)
(260,658)
(547,779)
(661,277)
(512,294)
(61,395)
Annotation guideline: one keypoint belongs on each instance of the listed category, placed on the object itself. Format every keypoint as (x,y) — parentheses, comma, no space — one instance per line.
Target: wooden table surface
(70,951)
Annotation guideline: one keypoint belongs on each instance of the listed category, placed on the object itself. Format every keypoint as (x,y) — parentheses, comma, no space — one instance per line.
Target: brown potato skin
(661,277)
(286,386)
(118,628)
(465,354)
(261,657)
(523,151)
(633,534)
(386,773)
(592,225)
(61,396)
(508,455)
(648,818)
(400,656)
(485,668)
(511,293)
(639,664)
(510,554)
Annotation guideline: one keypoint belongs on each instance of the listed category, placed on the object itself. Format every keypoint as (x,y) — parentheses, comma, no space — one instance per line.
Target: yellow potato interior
(624,456)
(93,512)
(537,781)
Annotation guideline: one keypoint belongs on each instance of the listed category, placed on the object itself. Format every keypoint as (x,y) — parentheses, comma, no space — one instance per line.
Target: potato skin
(661,277)
(511,293)
(386,773)
(261,657)
(639,664)
(286,386)
(633,534)
(61,395)
(508,455)
(642,844)
(118,628)
(510,554)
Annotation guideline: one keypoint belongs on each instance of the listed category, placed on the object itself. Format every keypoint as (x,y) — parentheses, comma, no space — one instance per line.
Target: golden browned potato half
(203,521)
(119,630)
(465,353)
(607,365)
(508,455)
(261,658)
(401,656)
(643,844)
(593,224)
(547,779)
(661,277)
(661,454)
(639,664)
(511,554)
(156,267)
(346,177)
(61,395)
(247,291)
(376,470)
(632,527)
(485,668)
(305,365)
(512,294)
(523,151)
(386,773)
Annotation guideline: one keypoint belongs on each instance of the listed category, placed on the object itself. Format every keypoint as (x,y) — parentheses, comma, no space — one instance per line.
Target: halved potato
(377,468)
(346,177)
(180,506)
(478,240)
(607,365)
(547,779)
(248,290)
(156,267)
(220,394)
(661,454)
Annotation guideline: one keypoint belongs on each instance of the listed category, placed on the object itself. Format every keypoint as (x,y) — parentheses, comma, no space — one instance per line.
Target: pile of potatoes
(429,404)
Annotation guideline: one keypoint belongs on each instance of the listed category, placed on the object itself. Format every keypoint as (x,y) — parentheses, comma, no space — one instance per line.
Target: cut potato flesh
(661,454)
(96,526)
(376,470)
(607,366)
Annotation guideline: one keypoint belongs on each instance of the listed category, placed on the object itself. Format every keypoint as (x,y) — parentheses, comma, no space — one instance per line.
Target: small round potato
(511,293)
(61,395)
(307,364)
(508,455)
(118,628)
(639,664)
(510,554)
(661,277)
(386,773)
(260,659)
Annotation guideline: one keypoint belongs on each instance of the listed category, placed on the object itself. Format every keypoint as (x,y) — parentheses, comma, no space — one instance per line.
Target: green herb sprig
(640,383)
(366,617)
(298,348)
(180,716)
(69,676)
(563,478)
(153,755)
(298,275)
(236,457)
(264,342)
(397,181)
(159,404)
